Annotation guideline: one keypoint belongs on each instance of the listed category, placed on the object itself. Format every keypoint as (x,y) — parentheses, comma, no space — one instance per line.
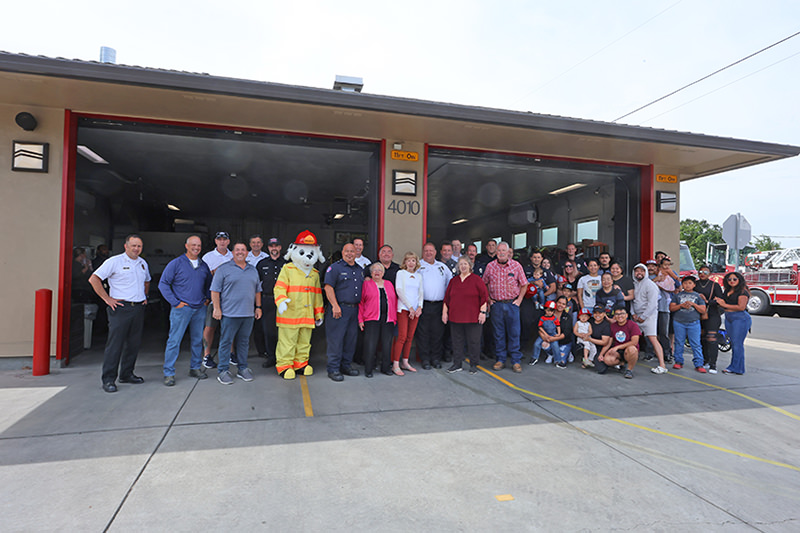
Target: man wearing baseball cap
(219,255)
(268,270)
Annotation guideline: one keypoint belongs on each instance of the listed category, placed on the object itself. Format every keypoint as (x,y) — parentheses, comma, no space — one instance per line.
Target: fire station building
(91,152)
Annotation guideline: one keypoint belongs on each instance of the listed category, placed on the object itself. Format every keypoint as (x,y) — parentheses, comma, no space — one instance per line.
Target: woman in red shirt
(464,308)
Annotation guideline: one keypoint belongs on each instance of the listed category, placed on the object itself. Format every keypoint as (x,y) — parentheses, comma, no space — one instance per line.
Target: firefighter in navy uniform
(268,270)
(343,281)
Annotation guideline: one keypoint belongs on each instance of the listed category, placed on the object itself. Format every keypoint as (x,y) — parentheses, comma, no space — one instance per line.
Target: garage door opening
(533,202)
(166,182)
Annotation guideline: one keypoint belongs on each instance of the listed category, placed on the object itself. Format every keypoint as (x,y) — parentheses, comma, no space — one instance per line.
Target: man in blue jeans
(236,296)
(506,282)
(184,284)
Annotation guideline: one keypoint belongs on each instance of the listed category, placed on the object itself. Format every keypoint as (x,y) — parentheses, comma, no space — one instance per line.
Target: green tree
(764,243)
(696,234)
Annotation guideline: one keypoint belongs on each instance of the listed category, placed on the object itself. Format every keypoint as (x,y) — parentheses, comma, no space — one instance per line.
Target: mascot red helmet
(307,237)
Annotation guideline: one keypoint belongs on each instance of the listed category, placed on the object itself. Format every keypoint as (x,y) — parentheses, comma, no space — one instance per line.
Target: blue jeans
(505,319)
(566,351)
(554,350)
(737,323)
(232,329)
(179,320)
(691,330)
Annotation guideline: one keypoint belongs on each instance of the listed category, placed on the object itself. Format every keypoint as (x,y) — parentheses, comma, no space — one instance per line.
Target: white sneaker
(712,370)
(549,359)
(659,370)
(706,366)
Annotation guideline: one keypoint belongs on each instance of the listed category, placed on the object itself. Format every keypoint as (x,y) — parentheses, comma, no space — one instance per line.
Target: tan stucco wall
(30,222)
(666,226)
(403,231)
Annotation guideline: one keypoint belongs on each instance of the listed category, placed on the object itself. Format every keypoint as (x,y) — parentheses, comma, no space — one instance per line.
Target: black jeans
(125,326)
(378,335)
(466,343)
(430,332)
(269,331)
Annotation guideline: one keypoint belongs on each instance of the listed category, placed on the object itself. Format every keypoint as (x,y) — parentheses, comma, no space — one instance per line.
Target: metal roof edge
(205,83)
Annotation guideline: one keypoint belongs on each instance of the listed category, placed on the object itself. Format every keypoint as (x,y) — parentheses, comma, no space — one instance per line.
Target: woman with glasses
(570,273)
(710,290)
(737,320)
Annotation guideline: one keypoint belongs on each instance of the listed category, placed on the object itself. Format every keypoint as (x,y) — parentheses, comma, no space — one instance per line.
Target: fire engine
(773,283)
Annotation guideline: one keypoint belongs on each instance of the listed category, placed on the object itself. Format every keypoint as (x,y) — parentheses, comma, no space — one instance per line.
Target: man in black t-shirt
(601,333)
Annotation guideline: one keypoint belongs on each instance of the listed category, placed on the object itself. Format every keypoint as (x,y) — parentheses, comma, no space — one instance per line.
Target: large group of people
(455,305)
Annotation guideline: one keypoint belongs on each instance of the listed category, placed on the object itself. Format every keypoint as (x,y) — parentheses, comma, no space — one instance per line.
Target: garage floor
(547,450)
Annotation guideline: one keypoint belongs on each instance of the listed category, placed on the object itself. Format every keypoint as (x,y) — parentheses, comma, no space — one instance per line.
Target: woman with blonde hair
(409,309)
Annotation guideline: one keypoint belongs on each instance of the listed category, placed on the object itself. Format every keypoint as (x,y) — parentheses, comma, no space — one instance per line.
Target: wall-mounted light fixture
(30,157)
(666,202)
(26,121)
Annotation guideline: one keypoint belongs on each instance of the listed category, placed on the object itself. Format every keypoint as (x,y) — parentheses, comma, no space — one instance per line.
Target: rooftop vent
(108,55)
(349,84)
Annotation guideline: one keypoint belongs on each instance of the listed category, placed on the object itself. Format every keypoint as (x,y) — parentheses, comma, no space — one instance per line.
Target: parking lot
(545,450)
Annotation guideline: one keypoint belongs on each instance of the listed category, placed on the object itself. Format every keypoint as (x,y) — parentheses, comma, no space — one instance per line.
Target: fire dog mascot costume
(298,297)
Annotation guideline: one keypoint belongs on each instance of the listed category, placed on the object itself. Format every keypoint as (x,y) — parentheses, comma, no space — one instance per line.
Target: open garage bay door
(533,202)
(167,181)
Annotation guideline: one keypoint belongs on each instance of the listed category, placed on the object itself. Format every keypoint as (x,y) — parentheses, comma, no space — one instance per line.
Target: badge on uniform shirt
(329,269)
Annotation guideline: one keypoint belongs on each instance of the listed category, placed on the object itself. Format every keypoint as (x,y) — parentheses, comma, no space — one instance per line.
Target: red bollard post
(41,332)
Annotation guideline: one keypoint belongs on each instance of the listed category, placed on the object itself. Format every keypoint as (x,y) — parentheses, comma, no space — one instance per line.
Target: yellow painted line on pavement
(504,497)
(745,396)
(306,396)
(638,426)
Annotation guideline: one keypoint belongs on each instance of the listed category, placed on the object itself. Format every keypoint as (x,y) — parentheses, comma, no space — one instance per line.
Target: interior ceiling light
(338,216)
(568,188)
(459,221)
(87,152)
(173,207)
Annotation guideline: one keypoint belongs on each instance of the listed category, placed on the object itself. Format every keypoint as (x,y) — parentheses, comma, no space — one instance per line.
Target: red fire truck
(775,283)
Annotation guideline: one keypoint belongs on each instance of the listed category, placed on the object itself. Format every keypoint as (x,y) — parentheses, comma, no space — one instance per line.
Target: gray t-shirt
(687,316)
(237,289)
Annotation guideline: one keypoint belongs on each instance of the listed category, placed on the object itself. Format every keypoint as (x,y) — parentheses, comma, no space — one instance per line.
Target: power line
(707,76)
(609,45)
(719,88)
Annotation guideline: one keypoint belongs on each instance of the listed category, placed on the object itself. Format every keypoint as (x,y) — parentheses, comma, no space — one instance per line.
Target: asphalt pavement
(545,450)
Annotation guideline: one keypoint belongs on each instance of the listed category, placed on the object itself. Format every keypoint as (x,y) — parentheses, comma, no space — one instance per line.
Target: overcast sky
(585,59)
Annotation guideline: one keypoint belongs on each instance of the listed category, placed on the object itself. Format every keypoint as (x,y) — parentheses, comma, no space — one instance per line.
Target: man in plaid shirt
(507,284)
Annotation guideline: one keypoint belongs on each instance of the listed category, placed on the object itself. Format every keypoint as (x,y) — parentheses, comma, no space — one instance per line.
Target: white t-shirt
(590,286)
(126,277)
(254,259)
(214,259)
(363,261)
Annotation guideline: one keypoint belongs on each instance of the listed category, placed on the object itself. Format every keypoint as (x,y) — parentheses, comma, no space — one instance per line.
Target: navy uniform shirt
(346,281)
(268,271)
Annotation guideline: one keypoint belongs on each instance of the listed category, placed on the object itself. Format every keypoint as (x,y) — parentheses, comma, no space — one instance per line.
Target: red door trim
(382,195)
(67,226)
(425,198)
(647,209)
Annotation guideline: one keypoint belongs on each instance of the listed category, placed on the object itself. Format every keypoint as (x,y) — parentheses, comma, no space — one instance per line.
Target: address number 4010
(405,207)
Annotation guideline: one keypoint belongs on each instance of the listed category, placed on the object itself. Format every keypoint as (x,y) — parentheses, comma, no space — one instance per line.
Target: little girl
(582,331)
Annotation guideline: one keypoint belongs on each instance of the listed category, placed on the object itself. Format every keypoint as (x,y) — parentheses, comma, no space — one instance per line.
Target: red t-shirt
(623,334)
(465,298)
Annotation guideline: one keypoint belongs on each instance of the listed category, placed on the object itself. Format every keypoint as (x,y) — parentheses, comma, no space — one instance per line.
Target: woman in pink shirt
(377,315)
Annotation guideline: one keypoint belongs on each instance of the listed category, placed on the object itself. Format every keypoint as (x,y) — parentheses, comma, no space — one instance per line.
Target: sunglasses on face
(705,272)
(733,279)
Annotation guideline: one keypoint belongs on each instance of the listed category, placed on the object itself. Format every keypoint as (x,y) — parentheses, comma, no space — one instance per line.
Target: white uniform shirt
(126,277)
(254,259)
(363,261)
(435,278)
(214,259)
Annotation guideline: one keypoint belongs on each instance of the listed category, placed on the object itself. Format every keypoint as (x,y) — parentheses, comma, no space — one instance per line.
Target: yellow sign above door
(405,156)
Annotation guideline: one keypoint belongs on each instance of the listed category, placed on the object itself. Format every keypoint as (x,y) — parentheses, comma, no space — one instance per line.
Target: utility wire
(707,76)
(718,88)
(609,45)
